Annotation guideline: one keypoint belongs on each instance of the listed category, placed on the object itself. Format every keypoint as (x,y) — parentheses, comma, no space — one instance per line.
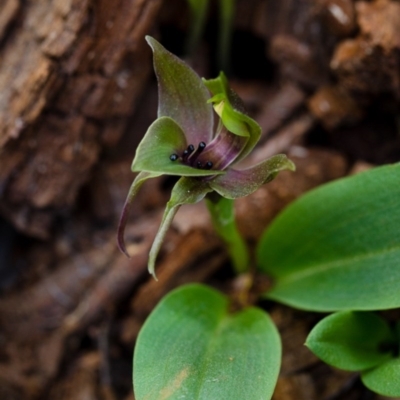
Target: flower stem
(226,15)
(223,218)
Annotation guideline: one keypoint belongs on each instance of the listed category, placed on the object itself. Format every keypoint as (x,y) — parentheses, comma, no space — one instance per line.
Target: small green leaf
(353,341)
(384,379)
(338,246)
(229,107)
(240,183)
(164,138)
(192,347)
(185,191)
(182,95)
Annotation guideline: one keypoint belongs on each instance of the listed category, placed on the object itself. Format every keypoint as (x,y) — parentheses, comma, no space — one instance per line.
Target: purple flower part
(223,150)
(240,183)
(182,95)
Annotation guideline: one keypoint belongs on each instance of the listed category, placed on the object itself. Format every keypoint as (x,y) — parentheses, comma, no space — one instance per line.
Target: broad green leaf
(136,184)
(186,191)
(229,107)
(353,341)
(338,246)
(193,347)
(240,183)
(182,95)
(384,379)
(164,138)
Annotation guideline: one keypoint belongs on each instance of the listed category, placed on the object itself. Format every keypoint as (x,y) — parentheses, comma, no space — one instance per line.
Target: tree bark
(71,72)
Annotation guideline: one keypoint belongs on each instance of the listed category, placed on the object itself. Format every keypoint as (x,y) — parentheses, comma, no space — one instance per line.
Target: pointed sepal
(186,191)
(240,183)
(136,184)
(182,95)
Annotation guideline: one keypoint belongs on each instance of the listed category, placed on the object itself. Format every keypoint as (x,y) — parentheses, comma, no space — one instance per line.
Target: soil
(77,93)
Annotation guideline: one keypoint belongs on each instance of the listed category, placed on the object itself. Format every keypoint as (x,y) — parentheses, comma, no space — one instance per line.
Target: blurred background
(77,93)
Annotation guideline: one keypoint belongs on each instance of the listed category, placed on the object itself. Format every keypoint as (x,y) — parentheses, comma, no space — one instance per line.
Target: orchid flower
(182,142)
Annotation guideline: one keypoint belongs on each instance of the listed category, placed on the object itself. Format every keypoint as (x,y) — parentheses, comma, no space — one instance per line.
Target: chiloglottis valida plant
(182,142)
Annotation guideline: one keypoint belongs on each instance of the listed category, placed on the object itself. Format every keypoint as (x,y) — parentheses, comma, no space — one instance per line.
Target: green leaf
(164,138)
(353,341)
(384,379)
(185,191)
(182,95)
(229,107)
(192,347)
(338,246)
(240,183)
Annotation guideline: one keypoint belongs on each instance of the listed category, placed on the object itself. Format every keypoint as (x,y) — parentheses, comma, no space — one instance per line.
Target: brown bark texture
(70,74)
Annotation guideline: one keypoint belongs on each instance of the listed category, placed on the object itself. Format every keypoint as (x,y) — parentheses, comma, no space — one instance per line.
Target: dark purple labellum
(199,149)
(186,154)
(190,154)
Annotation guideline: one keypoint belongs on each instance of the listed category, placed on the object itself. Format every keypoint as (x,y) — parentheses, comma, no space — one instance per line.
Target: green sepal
(136,184)
(229,106)
(352,341)
(186,191)
(384,379)
(240,183)
(182,95)
(164,138)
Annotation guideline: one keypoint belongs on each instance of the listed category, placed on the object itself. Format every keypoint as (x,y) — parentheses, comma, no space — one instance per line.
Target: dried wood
(371,62)
(334,106)
(70,76)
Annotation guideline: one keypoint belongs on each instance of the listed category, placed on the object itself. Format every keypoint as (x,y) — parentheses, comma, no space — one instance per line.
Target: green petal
(185,191)
(240,183)
(182,95)
(229,107)
(136,184)
(163,138)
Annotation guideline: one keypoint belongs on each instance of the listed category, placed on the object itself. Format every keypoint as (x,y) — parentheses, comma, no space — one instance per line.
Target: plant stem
(198,10)
(226,14)
(223,218)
